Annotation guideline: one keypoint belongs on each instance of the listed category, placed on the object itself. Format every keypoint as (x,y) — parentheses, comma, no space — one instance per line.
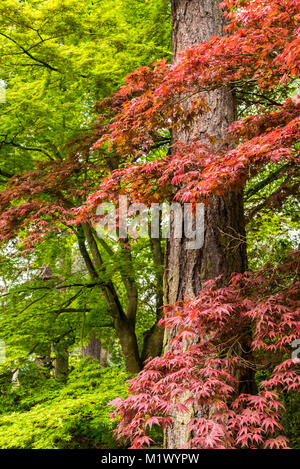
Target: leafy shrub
(72,416)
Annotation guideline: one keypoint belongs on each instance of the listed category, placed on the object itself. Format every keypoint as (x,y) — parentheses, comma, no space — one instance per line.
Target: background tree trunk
(45,362)
(153,338)
(224,249)
(93,349)
(104,357)
(61,362)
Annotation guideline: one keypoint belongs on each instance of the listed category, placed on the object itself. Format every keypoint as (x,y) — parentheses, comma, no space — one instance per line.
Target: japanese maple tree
(259,56)
(205,363)
(247,316)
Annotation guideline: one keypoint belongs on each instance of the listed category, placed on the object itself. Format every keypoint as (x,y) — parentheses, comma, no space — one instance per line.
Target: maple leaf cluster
(44,200)
(199,373)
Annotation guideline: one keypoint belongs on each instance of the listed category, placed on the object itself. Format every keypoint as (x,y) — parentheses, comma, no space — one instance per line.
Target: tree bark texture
(224,248)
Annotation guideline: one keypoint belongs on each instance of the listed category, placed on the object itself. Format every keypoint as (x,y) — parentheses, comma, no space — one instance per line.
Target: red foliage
(261,35)
(44,200)
(258,55)
(196,172)
(199,371)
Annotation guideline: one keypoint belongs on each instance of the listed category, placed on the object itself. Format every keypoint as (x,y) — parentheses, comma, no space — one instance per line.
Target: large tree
(224,248)
(204,163)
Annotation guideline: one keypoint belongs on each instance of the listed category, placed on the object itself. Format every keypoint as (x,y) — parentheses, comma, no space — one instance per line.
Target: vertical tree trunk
(104,358)
(224,249)
(126,333)
(93,349)
(153,338)
(61,363)
(45,362)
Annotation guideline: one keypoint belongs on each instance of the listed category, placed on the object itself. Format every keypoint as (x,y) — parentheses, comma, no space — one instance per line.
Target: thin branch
(260,95)
(56,287)
(270,178)
(17,145)
(45,64)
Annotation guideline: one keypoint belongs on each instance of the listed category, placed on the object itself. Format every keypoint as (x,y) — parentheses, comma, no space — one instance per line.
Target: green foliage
(291,420)
(58,57)
(270,237)
(53,416)
(273,219)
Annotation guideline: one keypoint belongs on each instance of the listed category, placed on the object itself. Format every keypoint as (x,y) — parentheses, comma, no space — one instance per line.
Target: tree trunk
(93,349)
(123,324)
(126,333)
(224,248)
(45,362)
(153,338)
(61,362)
(104,357)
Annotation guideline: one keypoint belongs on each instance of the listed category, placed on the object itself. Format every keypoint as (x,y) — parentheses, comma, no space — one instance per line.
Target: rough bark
(224,248)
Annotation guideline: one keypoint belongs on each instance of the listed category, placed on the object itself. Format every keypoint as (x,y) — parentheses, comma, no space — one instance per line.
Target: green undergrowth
(56,416)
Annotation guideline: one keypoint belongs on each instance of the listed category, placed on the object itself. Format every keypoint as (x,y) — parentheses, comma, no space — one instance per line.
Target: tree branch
(270,178)
(45,64)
